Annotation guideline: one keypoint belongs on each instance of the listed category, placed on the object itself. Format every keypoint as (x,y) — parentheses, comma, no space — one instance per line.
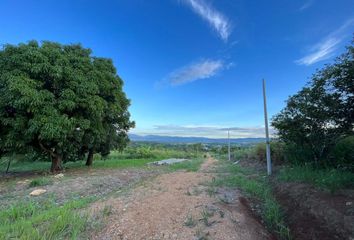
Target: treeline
(317,125)
(141,150)
(60,101)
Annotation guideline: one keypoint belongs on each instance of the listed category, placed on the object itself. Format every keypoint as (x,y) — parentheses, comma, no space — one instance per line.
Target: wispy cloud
(306,5)
(321,51)
(203,131)
(327,47)
(217,20)
(196,71)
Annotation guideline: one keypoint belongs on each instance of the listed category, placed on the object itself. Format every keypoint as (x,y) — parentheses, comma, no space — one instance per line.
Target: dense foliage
(321,114)
(158,150)
(60,100)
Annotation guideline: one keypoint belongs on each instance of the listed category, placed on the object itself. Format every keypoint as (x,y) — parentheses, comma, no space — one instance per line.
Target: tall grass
(328,179)
(47,220)
(42,181)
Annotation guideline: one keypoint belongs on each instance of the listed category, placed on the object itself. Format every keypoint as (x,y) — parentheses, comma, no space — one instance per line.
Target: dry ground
(75,184)
(178,206)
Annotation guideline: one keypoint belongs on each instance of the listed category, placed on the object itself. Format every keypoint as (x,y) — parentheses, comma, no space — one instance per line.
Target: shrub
(261,151)
(277,150)
(343,153)
(244,153)
(298,155)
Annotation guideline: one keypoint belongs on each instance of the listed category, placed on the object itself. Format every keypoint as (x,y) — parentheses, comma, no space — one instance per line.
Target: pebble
(37,192)
(60,175)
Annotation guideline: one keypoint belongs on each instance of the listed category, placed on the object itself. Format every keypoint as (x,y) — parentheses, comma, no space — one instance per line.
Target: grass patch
(107,210)
(191,165)
(190,222)
(23,166)
(122,163)
(47,220)
(328,179)
(40,182)
(211,190)
(114,160)
(205,215)
(234,176)
(110,162)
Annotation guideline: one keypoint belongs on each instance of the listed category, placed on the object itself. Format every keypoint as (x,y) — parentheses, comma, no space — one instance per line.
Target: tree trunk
(89,158)
(56,163)
(8,165)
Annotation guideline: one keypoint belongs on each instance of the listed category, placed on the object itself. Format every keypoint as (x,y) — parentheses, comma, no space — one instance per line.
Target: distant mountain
(171,139)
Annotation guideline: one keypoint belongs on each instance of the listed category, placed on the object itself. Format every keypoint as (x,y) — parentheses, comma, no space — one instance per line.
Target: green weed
(258,188)
(30,220)
(328,179)
(211,190)
(200,235)
(107,210)
(205,215)
(40,182)
(190,222)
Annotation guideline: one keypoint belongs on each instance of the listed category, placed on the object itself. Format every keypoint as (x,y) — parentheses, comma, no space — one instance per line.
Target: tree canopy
(322,113)
(61,100)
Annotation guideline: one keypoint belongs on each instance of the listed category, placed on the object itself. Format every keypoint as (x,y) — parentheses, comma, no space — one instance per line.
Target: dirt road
(181,206)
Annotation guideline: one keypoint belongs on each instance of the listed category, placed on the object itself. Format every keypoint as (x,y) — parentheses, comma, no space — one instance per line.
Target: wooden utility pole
(269,161)
(229,147)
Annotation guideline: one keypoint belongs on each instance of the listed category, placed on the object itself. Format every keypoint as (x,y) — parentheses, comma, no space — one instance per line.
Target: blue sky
(194,67)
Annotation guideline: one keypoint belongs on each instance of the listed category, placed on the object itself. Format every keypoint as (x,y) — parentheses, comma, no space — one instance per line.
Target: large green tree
(60,100)
(322,113)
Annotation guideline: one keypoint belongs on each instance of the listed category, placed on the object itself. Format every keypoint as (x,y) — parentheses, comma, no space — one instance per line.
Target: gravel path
(178,206)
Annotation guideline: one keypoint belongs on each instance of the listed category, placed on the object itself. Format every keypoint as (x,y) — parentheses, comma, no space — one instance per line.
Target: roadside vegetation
(327,179)
(45,220)
(314,145)
(317,124)
(257,188)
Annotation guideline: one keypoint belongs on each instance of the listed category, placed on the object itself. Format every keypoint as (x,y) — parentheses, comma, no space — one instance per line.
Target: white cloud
(216,19)
(306,5)
(203,131)
(326,48)
(321,51)
(196,71)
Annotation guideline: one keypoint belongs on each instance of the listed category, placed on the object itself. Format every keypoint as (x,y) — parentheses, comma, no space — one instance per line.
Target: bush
(277,151)
(343,154)
(152,151)
(298,155)
(244,153)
